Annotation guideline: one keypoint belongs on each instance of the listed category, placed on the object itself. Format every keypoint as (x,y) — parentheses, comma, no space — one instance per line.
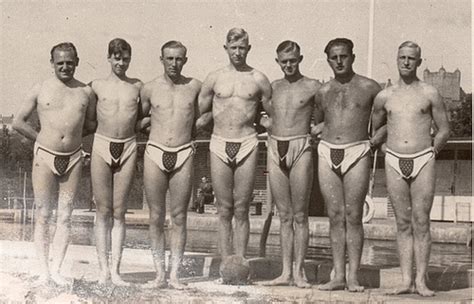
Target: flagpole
(370,53)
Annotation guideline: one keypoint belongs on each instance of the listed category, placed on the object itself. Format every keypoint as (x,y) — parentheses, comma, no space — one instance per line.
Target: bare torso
(235,102)
(292,105)
(62,110)
(408,117)
(173,110)
(347,109)
(117,106)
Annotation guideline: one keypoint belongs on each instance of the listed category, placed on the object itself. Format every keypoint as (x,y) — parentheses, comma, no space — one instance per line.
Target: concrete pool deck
(199,271)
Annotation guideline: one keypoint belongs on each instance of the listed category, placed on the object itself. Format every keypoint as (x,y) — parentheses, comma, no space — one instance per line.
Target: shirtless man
(233,95)
(62,103)
(172,100)
(290,156)
(345,104)
(409,107)
(114,156)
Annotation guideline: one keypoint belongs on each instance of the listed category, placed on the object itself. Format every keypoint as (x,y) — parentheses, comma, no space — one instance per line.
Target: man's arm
(206,95)
(264,106)
(317,125)
(440,118)
(379,120)
(20,123)
(143,119)
(90,123)
(194,130)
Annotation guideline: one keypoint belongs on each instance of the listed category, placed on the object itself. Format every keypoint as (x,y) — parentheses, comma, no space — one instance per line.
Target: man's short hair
(173,44)
(118,46)
(64,46)
(236,34)
(339,41)
(288,46)
(411,44)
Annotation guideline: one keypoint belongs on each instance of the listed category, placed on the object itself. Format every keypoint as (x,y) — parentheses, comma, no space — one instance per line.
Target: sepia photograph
(236,151)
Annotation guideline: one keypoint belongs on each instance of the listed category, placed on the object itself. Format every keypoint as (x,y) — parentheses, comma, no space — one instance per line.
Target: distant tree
(461,118)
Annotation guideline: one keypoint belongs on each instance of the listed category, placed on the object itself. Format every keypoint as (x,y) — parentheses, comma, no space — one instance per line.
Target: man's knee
(404,224)
(336,216)
(178,218)
(301,218)
(241,212)
(421,223)
(119,213)
(103,212)
(64,219)
(353,218)
(157,219)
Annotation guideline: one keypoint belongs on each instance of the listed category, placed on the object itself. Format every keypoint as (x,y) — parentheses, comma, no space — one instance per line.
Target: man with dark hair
(290,160)
(409,109)
(172,101)
(345,104)
(233,95)
(114,156)
(64,107)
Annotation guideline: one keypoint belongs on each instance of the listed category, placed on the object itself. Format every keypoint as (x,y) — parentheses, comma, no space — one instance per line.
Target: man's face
(173,60)
(237,51)
(289,62)
(340,59)
(119,62)
(408,61)
(64,63)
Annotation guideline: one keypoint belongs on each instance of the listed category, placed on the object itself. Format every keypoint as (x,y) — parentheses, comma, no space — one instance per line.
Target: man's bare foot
(301,282)
(157,283)
(282,280)
(402,290)
(118,281)
(354,286)
(43,280)
(333,285)
(424,291)
(176,284)
(103,278)
(59,280)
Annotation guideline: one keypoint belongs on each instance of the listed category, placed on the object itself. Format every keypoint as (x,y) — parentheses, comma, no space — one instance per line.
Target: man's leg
(45,187)
(301,180)
(123,180)
(68,186)
(180,192)
(102,188)
(422,192)
(244,182)
(223,184)
(156,185)
(333,194)
(280,188)
(399,193)
(356,183)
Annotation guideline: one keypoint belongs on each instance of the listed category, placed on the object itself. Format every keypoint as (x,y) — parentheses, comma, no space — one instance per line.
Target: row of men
(172,107)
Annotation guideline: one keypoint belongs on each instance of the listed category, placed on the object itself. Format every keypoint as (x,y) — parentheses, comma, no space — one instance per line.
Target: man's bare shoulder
(326,87)
(386,93)
(195,83)
(259,76)
(367,83)
(135,82)
(428,89)
(278,82)
(311,82)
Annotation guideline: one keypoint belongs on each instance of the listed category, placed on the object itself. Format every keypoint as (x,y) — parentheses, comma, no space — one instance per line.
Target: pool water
(381,253)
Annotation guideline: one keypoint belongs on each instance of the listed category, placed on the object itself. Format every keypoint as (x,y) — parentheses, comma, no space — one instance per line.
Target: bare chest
(347,99)
(117,95)
(288,97)
(63,101)
(166,97)
(407,105)
(242,86)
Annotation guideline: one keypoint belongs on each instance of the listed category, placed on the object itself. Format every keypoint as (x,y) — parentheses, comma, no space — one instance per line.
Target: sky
(28,30)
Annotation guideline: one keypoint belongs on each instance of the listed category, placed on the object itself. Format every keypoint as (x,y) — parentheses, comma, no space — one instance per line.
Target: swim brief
(166,158)
(114,151)
(233,151)
(341,158)
(286,151)
(60,163)
(409,165)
